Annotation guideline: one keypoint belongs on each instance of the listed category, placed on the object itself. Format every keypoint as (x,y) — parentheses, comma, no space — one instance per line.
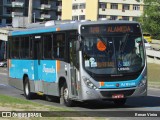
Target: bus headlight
(143,82)
(89,83)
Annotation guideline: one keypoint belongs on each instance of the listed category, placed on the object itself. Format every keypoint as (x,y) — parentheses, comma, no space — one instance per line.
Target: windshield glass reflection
(108,54)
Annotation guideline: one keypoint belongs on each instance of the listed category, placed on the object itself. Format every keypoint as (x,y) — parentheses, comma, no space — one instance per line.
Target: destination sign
(116,29)
(110,28)
(95,29)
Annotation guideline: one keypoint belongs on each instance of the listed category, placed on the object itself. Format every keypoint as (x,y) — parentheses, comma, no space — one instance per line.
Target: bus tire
(120,102)
(64,99)
(26,87)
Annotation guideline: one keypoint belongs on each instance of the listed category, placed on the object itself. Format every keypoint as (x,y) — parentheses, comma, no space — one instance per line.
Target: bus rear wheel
(65,96)
(26,87)
(120,102)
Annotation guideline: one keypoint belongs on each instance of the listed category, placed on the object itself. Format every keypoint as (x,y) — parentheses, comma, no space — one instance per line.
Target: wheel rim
(65,94)
(27,89)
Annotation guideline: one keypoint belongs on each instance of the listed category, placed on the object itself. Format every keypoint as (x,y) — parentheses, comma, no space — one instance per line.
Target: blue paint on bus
(32,31)
(46,71)
(122,84)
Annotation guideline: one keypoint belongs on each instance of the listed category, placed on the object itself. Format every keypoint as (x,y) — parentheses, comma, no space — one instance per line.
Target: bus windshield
(118,53)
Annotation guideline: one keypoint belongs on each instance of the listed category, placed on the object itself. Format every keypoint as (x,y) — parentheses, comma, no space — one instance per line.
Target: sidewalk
(153,75)
(154,85)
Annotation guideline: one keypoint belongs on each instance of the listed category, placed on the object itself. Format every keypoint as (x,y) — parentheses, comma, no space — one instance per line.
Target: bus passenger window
(48,50)
(24,47)
(59,45)
(15,45)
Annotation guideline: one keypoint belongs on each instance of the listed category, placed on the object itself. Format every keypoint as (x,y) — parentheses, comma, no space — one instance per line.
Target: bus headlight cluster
(89,83)
(143,82)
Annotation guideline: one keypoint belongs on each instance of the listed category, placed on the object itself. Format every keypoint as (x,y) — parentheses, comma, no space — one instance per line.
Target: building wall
(123,1)
(6,16)
(1,11)
(120,12)
(66,9)
(92,10)
(43,13)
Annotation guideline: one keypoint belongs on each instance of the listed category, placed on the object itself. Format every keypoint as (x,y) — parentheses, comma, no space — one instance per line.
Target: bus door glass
(74,64)
(37,51)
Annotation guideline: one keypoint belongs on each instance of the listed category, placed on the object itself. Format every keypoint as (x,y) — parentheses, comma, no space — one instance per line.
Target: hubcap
(66,94)
(27,89)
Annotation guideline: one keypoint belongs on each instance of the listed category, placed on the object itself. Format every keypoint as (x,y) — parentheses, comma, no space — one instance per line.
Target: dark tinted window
(24,47)
(48,50)
(14,47)
(59,45)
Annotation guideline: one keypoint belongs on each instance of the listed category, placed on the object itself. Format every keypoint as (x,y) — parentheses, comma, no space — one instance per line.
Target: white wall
(134,13)
(122,1)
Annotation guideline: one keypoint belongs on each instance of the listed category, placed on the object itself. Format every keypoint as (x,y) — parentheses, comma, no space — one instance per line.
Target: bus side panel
(46,76)
(15,83)
(53,87)
(47,71)
(17,69)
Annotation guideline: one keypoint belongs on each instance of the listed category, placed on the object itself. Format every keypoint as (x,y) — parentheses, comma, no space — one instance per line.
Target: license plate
(117,96)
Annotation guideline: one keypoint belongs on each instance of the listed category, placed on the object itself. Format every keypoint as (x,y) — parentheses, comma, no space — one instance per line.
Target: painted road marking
(3,85)
(4,74)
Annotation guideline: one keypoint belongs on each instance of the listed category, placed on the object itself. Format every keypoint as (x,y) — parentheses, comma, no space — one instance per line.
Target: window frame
(43,46)
(136,7)
(114,6)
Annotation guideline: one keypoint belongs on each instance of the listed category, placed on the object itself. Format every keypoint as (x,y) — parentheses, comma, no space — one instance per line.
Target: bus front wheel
(27,92)
(65,96)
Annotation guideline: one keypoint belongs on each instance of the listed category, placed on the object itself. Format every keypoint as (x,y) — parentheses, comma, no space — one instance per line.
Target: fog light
(143,82)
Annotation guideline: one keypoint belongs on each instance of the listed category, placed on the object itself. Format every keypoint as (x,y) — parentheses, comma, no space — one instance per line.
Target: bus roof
(74,25)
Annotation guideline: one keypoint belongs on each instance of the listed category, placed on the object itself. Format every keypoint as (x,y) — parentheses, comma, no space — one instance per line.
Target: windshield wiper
(123,43)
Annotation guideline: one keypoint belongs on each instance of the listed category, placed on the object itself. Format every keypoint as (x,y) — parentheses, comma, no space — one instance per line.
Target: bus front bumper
(93,94)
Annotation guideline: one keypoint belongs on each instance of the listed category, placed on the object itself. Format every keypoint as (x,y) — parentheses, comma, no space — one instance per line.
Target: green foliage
(151,17)
(17,103)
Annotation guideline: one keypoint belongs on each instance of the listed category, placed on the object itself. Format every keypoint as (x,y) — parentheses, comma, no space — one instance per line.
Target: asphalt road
(148,103)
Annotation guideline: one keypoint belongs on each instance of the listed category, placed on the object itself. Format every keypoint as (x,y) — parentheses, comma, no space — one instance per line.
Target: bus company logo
(117,84)
(128,84)
(48,70)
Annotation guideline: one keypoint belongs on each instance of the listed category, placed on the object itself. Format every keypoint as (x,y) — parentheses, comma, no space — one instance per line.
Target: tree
(151,17)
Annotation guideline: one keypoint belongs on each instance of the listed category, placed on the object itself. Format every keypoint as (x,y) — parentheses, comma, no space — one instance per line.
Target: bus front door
(37,51)
(73,68)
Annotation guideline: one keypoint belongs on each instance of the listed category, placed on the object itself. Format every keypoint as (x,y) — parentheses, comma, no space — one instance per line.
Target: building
(43,10)
(97,9)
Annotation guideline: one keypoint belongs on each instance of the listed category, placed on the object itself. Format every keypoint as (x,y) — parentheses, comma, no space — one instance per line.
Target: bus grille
(110,93)
(116,78)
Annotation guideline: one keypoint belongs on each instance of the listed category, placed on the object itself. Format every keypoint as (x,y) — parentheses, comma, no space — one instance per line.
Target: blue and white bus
(79,61)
